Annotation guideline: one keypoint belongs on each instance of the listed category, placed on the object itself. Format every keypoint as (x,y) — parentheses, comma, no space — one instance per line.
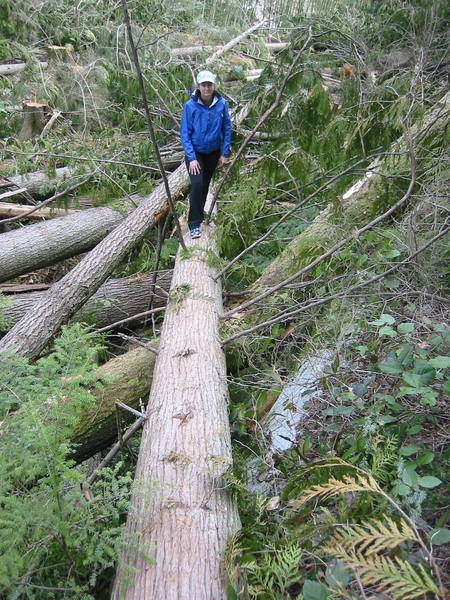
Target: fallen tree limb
(13,68)
(196,50)
(44,203)
(286,316)
(114,301)
(20,288)
(357,206)
(114,450)
(43,244)
(313,263)
(8,209)
(40,181)
(12,193)
(233,42)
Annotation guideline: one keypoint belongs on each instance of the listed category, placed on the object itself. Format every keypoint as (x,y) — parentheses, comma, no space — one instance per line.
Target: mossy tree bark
(182,514)
(126,379)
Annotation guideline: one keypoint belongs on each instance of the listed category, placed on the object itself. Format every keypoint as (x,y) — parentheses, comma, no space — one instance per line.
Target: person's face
(206,91)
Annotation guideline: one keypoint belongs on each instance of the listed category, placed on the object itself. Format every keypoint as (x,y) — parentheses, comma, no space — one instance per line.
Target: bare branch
(150,123)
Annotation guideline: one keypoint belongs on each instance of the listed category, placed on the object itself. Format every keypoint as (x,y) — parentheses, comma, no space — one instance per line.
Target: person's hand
(194,167)
(223,160)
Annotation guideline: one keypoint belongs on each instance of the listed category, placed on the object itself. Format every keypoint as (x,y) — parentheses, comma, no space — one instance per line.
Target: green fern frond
(384,456)
(232,550)
(395,576)
(333,487)
(375,536)
(274,572)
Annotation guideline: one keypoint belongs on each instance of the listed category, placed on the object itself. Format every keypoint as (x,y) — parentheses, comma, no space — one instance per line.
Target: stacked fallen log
(13,68)
(43,244)
(29,336)
(125,379)
(114,301)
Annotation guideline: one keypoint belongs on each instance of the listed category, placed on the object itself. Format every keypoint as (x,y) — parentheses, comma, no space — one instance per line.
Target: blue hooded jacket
(205,128)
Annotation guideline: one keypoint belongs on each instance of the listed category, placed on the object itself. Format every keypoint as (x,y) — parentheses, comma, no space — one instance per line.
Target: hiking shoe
(195,232)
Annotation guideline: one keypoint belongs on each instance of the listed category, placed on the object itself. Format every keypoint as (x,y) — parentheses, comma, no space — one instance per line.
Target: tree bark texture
(43,244)
(182,513)
(126,379)
(367,198)
(115,300)
(39,183)
(30,335)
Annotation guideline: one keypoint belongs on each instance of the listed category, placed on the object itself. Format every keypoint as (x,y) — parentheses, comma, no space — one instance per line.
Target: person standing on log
(206,137)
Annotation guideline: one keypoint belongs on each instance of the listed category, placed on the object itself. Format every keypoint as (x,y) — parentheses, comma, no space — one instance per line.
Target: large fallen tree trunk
(115,300)
(182,514)
(361,203)
(29,336)
(38,183)
(42,244)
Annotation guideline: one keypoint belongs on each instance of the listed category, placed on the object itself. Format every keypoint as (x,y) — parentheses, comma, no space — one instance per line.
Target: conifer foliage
(356,507)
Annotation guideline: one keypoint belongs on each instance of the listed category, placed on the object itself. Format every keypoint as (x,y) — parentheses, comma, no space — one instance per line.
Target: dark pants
(200,186)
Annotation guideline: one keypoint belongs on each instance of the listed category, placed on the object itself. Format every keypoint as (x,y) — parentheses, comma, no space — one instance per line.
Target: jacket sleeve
(186,131)
(226,130)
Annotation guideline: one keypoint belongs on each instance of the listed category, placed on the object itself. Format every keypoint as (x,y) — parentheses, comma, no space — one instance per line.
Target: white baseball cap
(204,76)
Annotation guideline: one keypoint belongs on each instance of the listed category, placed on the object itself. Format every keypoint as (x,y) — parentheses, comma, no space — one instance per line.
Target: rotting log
(43,244)
(115,300)
(8,209)
(182,513)
(38,183)
(30,335)
(362,202)
(126,379)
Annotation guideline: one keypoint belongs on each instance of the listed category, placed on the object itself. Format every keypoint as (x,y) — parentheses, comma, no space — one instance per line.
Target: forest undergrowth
(357,508)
